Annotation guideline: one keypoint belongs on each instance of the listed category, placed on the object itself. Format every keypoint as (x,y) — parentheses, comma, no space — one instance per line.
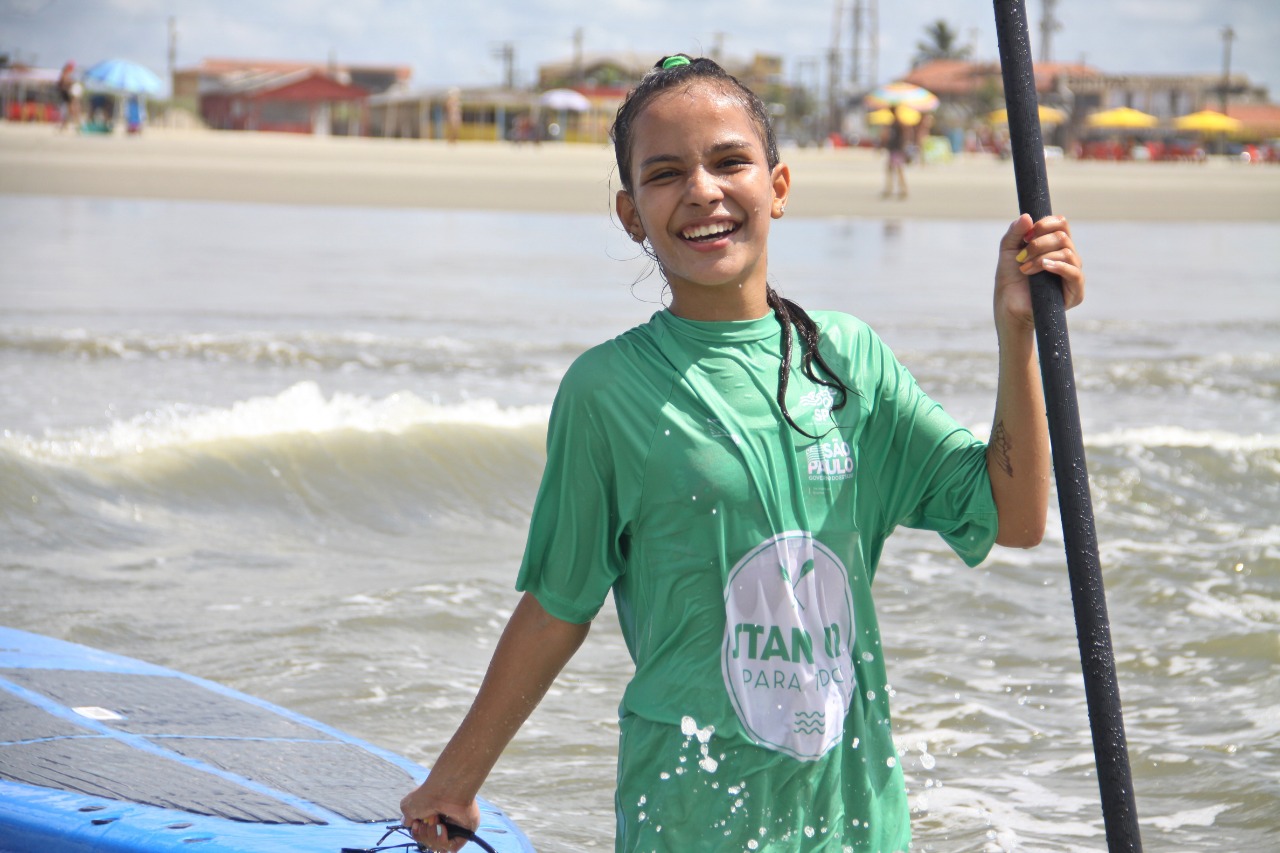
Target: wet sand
(289,169)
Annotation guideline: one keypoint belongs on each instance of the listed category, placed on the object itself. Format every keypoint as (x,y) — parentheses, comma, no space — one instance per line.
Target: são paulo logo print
(785,660)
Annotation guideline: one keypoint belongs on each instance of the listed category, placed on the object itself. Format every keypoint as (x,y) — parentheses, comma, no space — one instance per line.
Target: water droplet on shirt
(871,695)
(868,657)
(709,764)
(664,775)
(891,761)
(808,830)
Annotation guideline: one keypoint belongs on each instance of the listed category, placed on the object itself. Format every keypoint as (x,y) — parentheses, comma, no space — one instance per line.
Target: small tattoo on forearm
(998,449)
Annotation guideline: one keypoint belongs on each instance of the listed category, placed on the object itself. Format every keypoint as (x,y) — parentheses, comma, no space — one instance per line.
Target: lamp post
(1228,34)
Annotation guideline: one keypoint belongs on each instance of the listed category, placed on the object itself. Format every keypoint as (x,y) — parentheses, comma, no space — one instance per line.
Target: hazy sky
(454,42)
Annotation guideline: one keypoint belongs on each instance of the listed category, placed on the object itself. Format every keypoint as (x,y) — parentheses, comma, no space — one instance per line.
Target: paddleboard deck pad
(100,752)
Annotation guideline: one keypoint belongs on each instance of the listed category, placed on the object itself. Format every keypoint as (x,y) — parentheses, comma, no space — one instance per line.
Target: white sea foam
(1188,817)
(302,409)
(1171,436)
(290,348)
(1176,436)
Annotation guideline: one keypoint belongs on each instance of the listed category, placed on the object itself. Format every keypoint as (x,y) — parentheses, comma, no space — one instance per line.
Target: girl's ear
(625,205)
(781,189)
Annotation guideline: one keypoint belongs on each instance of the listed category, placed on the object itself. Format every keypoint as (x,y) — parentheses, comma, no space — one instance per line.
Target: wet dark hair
(659,80)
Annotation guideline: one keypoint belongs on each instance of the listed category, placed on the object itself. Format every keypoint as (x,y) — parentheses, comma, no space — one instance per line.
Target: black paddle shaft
(1102,693)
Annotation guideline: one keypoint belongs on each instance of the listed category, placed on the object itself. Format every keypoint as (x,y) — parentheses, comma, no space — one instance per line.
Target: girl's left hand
(1028,248)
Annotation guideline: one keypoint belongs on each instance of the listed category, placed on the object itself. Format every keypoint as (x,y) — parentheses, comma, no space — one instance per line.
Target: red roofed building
(306,101)
(283,96)
(978,87)
(969,90)
(1261,121)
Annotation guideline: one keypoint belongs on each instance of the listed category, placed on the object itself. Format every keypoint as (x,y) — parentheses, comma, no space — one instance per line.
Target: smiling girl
(730,471)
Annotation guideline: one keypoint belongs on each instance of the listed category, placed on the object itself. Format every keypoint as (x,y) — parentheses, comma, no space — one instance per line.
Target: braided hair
(669,73)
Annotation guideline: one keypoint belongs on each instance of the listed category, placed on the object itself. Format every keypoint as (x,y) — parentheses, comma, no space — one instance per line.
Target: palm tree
(941,43)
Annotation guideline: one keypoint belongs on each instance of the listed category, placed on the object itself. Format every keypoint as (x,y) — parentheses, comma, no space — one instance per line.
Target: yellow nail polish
(1022,256)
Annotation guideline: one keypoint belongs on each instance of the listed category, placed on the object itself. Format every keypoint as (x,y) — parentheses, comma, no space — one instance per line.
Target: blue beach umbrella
(122,76)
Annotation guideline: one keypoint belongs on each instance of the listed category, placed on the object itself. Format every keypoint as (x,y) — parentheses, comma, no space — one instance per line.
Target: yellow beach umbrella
(885,116)
(1208,121)
(1048,115)
(1123,117)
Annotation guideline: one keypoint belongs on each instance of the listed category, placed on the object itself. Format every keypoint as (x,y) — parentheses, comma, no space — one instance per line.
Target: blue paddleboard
(100,752)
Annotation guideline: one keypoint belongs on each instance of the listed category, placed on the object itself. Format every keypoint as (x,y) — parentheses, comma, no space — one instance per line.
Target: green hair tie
(674,62)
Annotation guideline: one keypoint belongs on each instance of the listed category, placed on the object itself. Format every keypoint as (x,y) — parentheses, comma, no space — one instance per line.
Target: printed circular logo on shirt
(786,660)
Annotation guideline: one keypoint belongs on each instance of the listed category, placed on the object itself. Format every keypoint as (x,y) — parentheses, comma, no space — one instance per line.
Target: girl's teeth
(708,230)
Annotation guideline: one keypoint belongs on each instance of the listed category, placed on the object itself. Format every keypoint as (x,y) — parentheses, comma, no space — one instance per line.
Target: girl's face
(703,195)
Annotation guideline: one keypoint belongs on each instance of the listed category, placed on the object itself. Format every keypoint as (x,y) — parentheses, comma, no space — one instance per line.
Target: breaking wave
(299,452)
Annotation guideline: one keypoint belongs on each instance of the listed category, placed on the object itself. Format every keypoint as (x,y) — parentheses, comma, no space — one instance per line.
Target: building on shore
(340,99)
(28,93)
(969,91)
(291,97)
(494,114)
(486,114)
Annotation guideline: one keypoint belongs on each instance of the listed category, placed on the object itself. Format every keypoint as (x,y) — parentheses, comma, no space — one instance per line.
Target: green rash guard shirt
(740,554)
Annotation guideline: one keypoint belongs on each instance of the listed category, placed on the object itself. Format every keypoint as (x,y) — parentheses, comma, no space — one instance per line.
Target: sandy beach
(287,169)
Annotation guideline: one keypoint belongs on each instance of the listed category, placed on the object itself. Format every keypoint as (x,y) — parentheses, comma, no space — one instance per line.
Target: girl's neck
(716,304)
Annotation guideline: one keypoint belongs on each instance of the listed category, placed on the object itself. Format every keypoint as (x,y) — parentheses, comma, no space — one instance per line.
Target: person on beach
(730,471)
(452,115)
(896,140)
(70,92)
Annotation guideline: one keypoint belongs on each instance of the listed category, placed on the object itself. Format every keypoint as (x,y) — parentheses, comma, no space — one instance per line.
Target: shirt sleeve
(930,472)
(574,551)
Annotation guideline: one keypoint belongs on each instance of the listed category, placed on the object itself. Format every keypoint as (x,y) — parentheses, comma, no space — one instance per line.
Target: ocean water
(293,449)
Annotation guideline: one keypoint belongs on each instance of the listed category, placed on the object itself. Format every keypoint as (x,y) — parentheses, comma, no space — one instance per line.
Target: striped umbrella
(884,116)
(902,94)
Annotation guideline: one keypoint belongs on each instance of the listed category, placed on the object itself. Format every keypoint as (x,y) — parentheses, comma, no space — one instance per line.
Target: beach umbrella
(1066,441)
(884,116)
(1048,115)
(1208,121)
(1122,117)
(567,100)
(901,94)
(123,77)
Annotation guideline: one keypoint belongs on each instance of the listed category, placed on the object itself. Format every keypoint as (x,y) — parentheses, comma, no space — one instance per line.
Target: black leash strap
(452,829)
(456,831)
